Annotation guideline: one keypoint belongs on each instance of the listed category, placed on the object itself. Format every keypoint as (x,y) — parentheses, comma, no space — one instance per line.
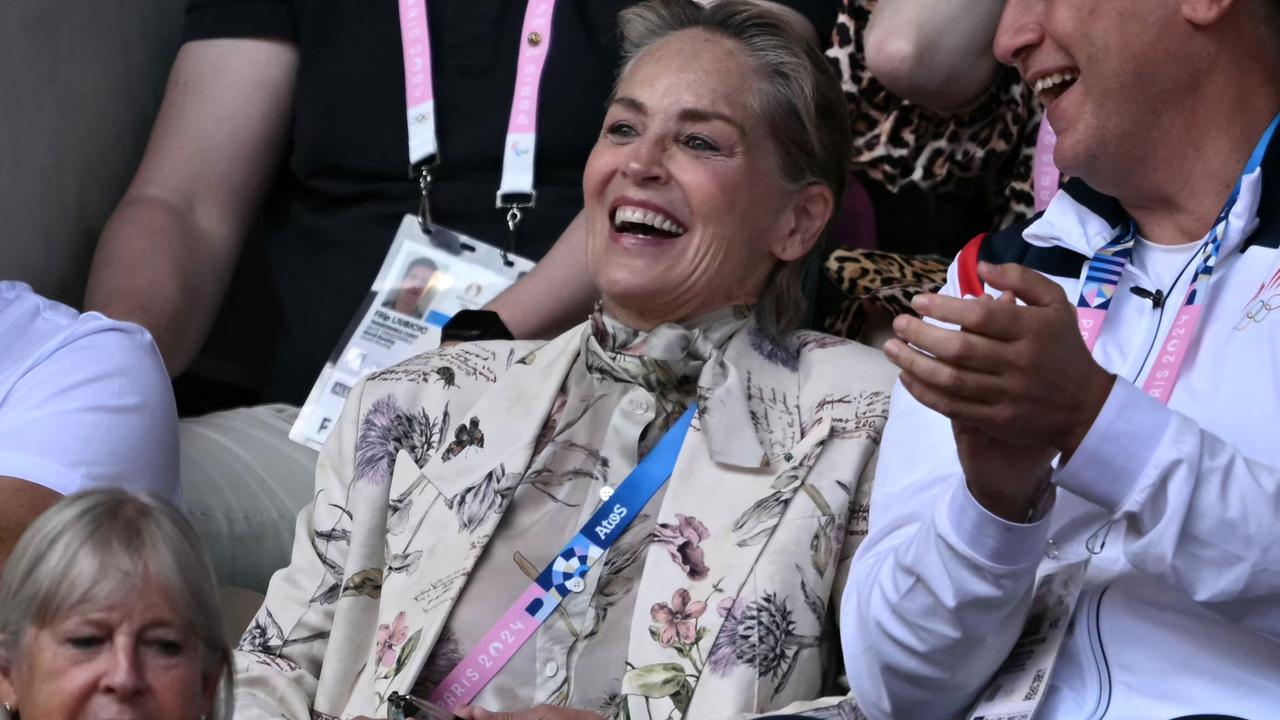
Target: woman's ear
(1204,12)
(808,215)
(8,696)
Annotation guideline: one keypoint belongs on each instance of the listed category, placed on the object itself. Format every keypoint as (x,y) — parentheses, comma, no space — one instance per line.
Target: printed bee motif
(446,377)
(467,435)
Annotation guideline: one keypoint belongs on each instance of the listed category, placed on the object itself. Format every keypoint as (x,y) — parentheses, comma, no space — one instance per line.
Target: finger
(986,317)
(965,411)
(956,347)
(1028,285)
(947,378)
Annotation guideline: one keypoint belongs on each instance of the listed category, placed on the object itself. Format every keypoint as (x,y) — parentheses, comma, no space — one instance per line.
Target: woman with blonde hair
(108,609)
(647,516)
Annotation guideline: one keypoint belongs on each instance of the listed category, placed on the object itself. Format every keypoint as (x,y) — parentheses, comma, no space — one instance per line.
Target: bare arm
(21,502)
(935,53)
(556,295)
(168,251)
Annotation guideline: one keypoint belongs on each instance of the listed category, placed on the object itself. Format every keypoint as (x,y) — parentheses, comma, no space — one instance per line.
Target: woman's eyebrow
(685,115)
(703,115)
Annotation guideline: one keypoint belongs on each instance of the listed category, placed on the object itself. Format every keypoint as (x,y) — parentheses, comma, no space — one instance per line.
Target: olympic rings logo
(1258,311)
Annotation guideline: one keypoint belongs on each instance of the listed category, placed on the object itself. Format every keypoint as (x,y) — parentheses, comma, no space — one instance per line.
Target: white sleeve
(940,587)
(1197,514)
(97,410)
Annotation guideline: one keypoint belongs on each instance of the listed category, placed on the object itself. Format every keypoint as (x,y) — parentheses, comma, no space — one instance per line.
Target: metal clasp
(514,216)
(425,220)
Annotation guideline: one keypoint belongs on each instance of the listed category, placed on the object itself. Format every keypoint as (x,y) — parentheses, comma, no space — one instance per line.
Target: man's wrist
(1021,501)
(1090,406)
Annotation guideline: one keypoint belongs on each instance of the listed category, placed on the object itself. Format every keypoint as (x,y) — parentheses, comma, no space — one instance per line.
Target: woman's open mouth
(645,222)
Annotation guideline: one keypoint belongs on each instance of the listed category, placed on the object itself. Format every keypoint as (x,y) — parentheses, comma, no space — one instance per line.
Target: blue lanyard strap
(565,573)
(615,515)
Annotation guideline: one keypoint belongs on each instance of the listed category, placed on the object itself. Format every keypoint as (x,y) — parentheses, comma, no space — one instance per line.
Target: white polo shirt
(85,401)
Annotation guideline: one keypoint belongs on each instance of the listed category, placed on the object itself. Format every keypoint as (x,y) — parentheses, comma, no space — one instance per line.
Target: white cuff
(989,538)
(1117,448)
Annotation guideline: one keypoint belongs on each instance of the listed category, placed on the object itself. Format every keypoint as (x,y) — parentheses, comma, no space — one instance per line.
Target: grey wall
(80,81)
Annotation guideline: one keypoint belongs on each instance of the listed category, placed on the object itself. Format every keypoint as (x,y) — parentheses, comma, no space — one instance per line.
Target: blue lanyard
(565,573)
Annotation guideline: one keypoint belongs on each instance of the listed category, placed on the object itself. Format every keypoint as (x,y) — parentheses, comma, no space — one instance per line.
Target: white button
(606,492)
(575,584)
(552,668)
(640,407)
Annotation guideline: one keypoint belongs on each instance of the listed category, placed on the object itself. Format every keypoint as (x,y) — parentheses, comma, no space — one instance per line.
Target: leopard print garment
(876,286)
(898,144)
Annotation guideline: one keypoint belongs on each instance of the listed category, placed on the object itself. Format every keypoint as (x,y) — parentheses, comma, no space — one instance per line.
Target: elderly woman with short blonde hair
(648,516)
(108,610)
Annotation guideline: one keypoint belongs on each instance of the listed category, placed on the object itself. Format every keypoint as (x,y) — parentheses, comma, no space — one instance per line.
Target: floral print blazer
(383,552)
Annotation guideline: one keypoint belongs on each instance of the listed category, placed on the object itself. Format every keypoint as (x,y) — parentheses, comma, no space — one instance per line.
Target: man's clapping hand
(1016,381)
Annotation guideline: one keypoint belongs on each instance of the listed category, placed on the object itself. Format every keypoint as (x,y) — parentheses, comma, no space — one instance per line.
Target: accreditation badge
(1020,684)
(423,281)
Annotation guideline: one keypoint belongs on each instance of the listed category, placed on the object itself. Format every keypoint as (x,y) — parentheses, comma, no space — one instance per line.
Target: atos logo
(1261,305)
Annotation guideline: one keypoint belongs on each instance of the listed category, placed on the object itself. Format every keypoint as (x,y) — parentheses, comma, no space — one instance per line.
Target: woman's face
(135,660)
(686,211)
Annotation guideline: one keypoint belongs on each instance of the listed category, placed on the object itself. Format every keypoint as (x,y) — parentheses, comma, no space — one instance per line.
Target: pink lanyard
(1106,266)
(516,190)
(1044,174)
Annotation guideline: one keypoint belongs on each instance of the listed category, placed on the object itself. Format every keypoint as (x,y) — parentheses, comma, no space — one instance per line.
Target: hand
(541,712)
(1018,374)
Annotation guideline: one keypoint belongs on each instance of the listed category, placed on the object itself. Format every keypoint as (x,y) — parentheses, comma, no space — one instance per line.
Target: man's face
(1108,72)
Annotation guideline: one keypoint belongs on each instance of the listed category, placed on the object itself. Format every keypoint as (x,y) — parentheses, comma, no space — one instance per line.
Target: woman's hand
(541,712)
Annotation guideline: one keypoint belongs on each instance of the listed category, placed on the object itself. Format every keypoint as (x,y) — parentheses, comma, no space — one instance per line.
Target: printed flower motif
(683,542)
(679,619)
(477,501)
(723,657)
(444,657)
(772,350)
(390,638)
(375,450)
(760,634)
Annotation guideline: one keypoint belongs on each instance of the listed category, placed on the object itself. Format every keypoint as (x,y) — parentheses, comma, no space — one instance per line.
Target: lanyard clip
(514,215)
(424,204)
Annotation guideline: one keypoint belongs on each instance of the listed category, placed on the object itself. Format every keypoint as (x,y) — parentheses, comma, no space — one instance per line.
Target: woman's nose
(124,676)
(646,161)
(1021,28)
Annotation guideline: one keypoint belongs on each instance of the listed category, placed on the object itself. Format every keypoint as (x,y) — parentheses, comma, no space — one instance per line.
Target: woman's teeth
(1053,85)
(630,215)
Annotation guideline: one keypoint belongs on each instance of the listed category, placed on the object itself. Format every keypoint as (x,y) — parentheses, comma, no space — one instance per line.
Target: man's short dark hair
(421,262)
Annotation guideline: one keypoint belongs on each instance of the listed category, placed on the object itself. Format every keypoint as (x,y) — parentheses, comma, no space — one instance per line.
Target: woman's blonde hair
(799,99)
(97,546)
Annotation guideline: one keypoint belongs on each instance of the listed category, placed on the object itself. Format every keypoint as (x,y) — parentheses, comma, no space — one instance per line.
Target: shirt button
(640,407)
(551,669)
(606,492)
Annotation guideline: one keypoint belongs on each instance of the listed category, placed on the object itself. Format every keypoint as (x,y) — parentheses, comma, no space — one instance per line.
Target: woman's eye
(85,642)
(700,143)
(166,647)
(621,130)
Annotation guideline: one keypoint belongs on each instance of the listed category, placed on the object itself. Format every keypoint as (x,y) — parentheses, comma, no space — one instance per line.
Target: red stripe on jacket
(967,268)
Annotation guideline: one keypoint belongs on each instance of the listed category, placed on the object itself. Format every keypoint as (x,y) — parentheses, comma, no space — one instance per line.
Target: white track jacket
(1180,613)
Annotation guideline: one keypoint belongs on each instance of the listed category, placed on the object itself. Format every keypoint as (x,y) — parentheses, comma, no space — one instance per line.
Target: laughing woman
(478,536)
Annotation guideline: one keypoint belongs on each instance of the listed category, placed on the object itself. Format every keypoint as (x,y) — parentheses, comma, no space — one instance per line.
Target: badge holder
(425,279)
(1020,684)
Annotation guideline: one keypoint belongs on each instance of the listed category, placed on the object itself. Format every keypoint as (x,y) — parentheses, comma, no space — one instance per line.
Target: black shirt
(347,183)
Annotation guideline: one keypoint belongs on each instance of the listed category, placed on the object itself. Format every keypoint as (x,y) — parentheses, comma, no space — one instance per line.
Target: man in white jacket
(1097,428)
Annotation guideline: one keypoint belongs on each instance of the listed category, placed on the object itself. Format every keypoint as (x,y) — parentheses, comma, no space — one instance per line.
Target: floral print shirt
(621,394)
(453,474)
